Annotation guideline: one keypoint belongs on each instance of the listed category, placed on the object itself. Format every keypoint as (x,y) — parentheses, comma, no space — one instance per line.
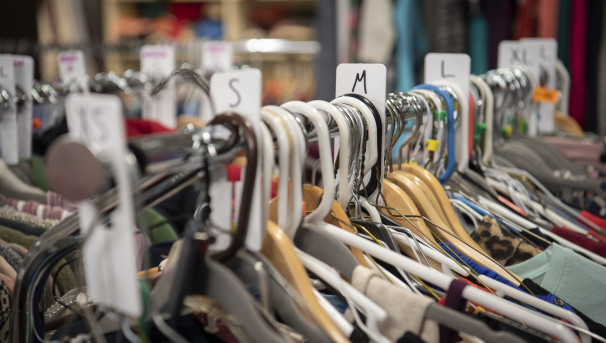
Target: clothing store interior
(303,171)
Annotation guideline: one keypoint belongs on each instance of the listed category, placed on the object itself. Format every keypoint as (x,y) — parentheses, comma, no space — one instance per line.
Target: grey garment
(25,218)
(12,257)
(549,153)
(555,180)
(22,251)
(11,186)
(405,310)
(446,25)
(23,170)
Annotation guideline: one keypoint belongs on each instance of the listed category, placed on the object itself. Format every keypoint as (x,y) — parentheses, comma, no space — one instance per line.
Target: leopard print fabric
(503,246)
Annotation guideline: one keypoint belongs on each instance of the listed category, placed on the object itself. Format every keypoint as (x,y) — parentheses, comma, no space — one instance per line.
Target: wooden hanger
(464,244)
(278,248)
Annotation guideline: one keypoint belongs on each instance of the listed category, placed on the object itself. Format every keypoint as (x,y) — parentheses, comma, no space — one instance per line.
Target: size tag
(8,113)
(217,56)
(24,75)
(456,69)
(159,61)
(72,68)
(109,250)
(240,92)
(544,53)
(369,80)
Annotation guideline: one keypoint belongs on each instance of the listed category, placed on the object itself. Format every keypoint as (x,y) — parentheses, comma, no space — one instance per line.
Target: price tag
(240,92)
(8,113)
(109,251)
(24,75)
(72,67)
(547,95)
(217,56)
(159,61)
(369,80)
(456,69)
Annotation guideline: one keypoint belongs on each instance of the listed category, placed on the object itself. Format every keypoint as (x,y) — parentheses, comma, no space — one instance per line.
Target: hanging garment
(563,272)
(578,45)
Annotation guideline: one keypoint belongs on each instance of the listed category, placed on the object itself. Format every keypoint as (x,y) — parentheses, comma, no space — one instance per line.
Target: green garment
(160,228)
(570,276)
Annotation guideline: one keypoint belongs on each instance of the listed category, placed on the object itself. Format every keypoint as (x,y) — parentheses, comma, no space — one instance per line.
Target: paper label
(369,80)
(8,113)
(109,252)
(159,61)
(544,53)
(24,75)
(454,68)
(217,56)
(72,68)
(240,92)
(542,94)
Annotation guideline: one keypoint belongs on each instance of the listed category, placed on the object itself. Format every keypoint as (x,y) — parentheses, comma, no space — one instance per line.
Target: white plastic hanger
(343,172)
(267,168)
(374,313)
(537,303)
(513,311)
(284,144)
(324,147)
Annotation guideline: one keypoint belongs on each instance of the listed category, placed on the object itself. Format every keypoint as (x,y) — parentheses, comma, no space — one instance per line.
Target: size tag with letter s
(109,250)
(240,92)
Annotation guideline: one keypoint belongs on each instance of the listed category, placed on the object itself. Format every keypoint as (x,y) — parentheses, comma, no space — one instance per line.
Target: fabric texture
(455,301)
(503,246)
(12,186)
(12,257)
(563,272)
(595,244)
(159,228)
(138,127)
(578,42)
(6,305)
(397,302)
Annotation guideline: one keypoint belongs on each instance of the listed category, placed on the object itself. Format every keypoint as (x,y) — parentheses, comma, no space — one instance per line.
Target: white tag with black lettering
(72,68)
(8,113)
(513,54)
(369,80)
(544,53)
(454,68)
(240,92)
(217,56)
(24,75)
(159,61)
(109,251)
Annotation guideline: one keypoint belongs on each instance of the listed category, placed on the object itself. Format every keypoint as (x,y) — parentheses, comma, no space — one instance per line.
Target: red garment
(592,244)
(599,221)
(526,19)
(547,21)
(139,127)
(578,45)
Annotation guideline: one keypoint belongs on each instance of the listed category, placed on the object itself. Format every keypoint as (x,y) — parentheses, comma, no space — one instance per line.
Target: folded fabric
(503,246)
(14,216)
(12,257)
(397,302)
(34,208)
(55,199)
(563,272)
(6,305)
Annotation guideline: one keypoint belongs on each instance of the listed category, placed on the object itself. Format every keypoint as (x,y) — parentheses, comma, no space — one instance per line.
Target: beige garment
(405,310)
(6,269)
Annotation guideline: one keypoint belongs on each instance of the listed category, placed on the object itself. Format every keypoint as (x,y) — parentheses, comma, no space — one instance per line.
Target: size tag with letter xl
(159,61)
(239,92)
(8,113)
(456,69)
(369,80)
(109,251)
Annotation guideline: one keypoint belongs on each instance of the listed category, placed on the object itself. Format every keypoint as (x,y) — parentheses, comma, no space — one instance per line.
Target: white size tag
(217,56)
(24,75)
(240,92)
(109,251)
(544,53)
(72,68)
(159,61)
(369,80)
(8,113)
(456,69)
